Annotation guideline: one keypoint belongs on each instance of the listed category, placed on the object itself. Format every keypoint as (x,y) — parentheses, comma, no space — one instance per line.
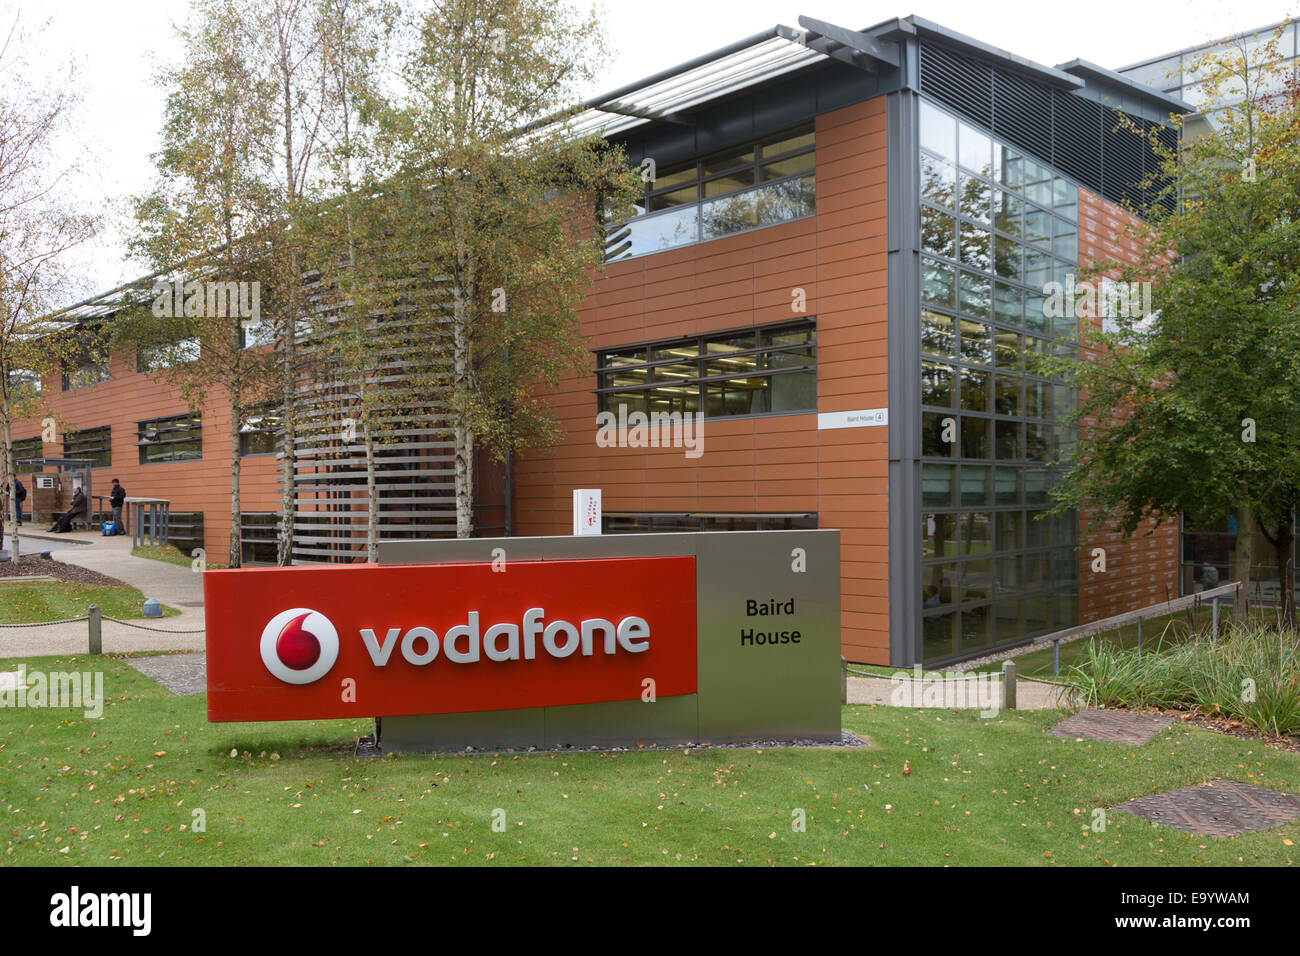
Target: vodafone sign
(373,641)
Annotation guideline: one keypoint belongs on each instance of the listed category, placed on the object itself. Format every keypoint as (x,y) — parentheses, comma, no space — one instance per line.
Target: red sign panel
(358,640)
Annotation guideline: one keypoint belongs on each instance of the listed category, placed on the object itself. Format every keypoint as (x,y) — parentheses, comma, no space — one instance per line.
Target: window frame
(699,180)
(761,335)
(269,412)
(164,425)
(80,436)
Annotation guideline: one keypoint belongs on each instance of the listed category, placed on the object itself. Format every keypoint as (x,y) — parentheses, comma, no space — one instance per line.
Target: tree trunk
(1282,541)
(236,539)
(1282,547)
(1245,561)
(288,413)
(372,498)
(12,480)
(463,292)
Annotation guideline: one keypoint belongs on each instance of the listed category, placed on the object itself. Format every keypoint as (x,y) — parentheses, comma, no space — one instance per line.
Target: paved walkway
(981,694)
(169,583)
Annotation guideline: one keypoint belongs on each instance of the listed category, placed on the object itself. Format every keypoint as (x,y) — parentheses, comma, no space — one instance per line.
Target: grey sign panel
(769,635)
(767,639)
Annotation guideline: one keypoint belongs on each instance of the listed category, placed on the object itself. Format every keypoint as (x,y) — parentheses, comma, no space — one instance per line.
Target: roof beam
(873,50)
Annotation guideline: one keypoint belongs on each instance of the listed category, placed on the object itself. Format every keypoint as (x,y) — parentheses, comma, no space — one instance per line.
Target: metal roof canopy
(668,95)
(664,95)
(1086,69)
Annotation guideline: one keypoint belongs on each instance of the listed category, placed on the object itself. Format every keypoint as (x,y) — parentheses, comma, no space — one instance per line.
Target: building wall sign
(365,640)
(860,418)
(542,642)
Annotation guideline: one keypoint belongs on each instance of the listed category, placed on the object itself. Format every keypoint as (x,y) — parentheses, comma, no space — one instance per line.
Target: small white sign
(586,511)
(861,418)
(44,481)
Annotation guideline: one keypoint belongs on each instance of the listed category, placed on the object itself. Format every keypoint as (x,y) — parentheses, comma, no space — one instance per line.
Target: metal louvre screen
(1076,135)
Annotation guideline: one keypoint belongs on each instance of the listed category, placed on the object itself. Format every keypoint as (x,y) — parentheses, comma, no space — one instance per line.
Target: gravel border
(365,747)
(34,564)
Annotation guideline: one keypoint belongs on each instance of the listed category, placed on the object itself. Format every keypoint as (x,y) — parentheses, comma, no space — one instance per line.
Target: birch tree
(38,228)
(508,223)
(209,225)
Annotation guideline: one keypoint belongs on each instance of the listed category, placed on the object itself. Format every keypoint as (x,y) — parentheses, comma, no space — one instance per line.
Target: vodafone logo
(299,645)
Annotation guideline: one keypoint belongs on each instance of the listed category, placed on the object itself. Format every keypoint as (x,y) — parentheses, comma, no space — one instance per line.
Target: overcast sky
(119,45)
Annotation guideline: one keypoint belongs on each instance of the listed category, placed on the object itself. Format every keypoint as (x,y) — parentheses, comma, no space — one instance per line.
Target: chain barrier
(74,620)
(66,620)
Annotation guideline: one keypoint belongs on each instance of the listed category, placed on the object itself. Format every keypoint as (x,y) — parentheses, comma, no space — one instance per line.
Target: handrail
(1066,635)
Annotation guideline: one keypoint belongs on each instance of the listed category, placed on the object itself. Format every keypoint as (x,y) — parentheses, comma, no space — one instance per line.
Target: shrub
(1252,673)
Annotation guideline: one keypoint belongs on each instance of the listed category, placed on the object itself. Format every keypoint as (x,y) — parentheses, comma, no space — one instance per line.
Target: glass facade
(745,187)
(996,227)
(1184,74)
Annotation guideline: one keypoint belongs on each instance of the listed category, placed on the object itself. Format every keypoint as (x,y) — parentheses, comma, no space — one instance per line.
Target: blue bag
(109,528)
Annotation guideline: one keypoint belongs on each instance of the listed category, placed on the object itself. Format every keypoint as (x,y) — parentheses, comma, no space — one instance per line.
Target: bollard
(844,680)
(96,622)
(1008,685)
(1056,658)
(1214,621)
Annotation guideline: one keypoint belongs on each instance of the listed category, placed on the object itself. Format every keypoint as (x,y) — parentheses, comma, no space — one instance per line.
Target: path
(970,695)
(170,584)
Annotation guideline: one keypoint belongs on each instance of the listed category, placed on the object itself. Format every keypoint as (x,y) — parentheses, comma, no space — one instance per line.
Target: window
(90,443)
(619,522)
(29,448)
(743,187)
(184,529)
(24,380)
(179,438)
(758,371)
(151,358)
(258,532)
(255,332)
(87,372)
(259,434)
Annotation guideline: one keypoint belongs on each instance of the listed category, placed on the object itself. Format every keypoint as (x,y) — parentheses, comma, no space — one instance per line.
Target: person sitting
(78,510)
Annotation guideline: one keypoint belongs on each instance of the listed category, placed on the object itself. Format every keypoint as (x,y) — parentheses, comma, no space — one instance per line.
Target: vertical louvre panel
(965,85)
(1080,151)
(1075,134)
(1022,114)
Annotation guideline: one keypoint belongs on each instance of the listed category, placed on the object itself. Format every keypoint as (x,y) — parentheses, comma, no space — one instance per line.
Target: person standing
(116,498)
(20,495)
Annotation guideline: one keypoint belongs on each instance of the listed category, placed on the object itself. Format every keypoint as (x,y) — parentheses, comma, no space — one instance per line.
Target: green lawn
(171,554)
(29,603)
(980,792)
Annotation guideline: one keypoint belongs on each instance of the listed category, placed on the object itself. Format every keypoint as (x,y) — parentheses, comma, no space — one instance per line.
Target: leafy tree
(1196,409)
(507,223)
(208,222)
(37,230)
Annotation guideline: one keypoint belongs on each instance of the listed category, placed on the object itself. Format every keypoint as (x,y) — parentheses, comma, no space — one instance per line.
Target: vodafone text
(463,644)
